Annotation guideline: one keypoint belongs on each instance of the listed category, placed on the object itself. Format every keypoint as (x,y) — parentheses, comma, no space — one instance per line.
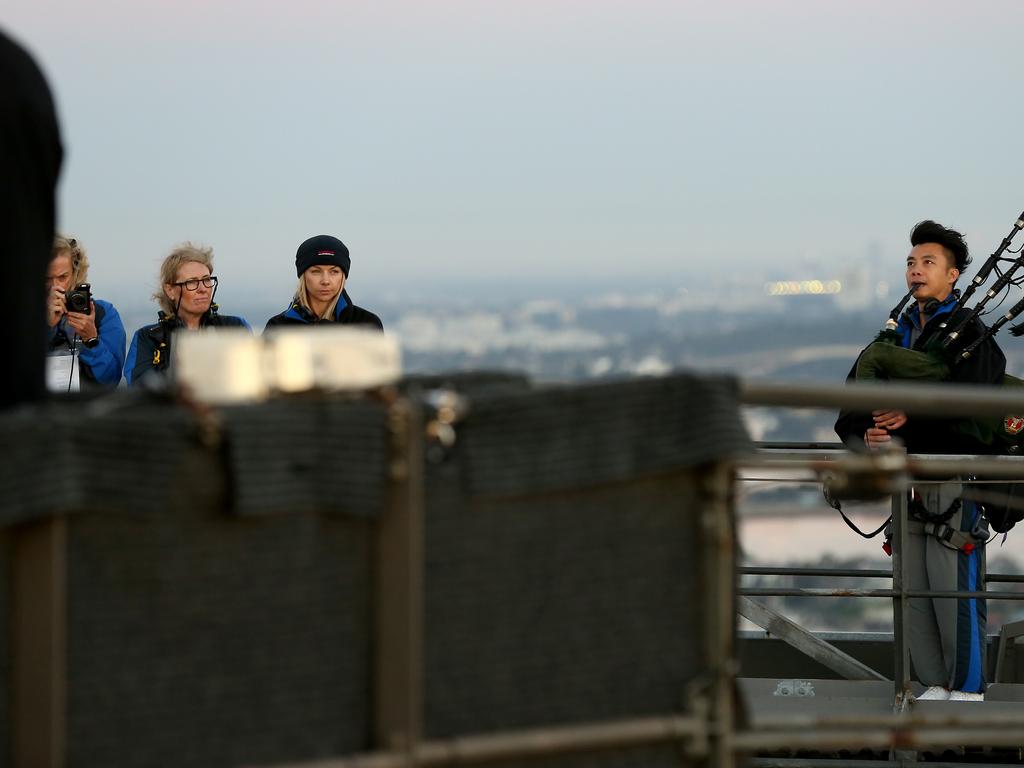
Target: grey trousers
(947,636)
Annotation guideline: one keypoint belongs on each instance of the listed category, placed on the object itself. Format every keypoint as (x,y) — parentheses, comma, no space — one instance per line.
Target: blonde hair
(175,260)
(79,259)
(302,298)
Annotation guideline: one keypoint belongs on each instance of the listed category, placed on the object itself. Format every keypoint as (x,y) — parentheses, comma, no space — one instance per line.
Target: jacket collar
(298,312)
(173,321)
(910,321)
(914,313)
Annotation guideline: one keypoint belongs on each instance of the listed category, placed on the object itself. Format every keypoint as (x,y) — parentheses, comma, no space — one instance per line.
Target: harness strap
(918,511)
(950,537)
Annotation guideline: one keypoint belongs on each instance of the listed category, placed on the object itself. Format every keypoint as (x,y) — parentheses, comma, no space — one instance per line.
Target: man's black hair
(929,231)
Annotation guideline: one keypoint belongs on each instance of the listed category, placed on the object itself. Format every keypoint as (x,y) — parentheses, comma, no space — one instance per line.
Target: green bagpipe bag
(885,360)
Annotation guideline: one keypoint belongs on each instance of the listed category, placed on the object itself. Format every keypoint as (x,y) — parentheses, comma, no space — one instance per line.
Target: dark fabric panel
(204,640)
(562,566)
(120,453)
(305,456)
(111,452)
(562,438)
(562,608)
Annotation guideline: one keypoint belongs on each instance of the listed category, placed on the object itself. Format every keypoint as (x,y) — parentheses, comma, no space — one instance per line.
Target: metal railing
(806,456)
(907,729)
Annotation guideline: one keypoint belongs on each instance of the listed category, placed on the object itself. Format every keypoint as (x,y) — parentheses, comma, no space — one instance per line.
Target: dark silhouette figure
(30,159)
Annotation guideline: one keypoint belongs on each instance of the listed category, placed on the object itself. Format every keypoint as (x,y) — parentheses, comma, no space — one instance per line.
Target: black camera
(78,299)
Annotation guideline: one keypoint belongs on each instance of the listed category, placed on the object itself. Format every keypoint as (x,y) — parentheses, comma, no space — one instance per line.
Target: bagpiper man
(946,533)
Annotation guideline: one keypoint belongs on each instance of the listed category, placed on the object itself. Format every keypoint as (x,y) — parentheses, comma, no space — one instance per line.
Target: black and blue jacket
(345,313)
(909,324)
(102,364)
(151,345)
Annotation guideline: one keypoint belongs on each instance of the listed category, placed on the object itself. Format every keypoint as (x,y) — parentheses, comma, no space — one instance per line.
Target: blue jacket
(345,313)
(151,345)
(910,321)
(102,364)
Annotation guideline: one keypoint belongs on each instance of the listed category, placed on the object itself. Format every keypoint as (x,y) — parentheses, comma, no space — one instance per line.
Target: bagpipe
(886,358)
(959,338)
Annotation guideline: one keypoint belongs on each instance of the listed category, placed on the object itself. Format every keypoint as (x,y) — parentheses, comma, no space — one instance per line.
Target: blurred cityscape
(790,326)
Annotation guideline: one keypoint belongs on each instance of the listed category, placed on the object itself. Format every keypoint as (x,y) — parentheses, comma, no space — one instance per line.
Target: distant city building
(803,287)
(854,289)
(858,288)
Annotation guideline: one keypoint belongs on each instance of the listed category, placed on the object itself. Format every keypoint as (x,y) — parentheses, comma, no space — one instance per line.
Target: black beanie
(322,249)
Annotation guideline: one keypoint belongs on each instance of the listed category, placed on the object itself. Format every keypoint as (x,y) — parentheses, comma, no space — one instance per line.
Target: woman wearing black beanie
(322,264)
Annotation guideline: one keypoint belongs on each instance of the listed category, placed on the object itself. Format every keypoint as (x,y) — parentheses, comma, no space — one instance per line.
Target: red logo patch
(325,253)
(1013,424)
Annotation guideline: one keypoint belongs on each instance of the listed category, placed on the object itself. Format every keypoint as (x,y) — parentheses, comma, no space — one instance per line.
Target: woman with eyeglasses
(185,296)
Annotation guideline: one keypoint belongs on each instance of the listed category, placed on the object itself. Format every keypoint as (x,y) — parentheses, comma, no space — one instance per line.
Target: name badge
(62,372)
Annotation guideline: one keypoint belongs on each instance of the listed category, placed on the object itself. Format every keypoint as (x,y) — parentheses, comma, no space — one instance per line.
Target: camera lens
(78,299)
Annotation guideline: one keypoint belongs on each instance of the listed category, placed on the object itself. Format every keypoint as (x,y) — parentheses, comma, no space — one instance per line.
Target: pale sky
(485,141)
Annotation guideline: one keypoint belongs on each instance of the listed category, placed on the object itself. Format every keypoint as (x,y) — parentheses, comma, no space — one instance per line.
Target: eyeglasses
(193,285)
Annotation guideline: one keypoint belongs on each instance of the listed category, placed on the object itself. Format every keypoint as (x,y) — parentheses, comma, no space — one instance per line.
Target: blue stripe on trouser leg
(970,615)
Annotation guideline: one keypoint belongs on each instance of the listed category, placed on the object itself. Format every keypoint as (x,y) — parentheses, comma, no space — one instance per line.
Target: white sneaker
(935,693)
(965,696)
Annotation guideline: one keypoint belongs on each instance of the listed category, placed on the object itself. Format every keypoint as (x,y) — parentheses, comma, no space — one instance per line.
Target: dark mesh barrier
(213,640)
(579,437)
(561,609)
(275,464)
(564,555)
(111,453)
(221,569)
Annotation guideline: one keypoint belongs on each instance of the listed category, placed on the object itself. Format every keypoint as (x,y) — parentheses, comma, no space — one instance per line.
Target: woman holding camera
(88,328)
(322,264)
(185,297)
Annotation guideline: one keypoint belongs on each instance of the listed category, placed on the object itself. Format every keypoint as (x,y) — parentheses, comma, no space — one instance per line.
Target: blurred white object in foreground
(338,358)
(220,366)
(232,366)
